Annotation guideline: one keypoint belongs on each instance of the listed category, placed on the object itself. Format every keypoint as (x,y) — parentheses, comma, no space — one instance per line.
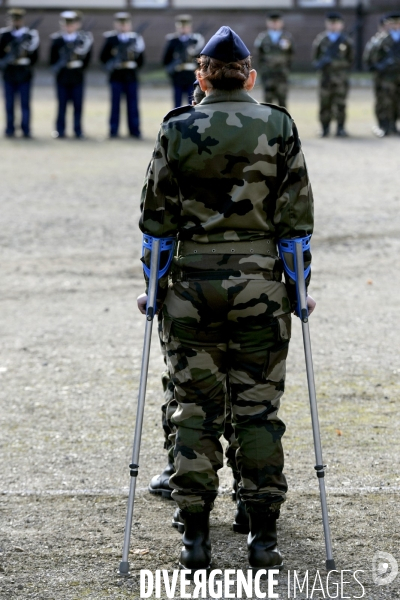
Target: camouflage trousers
(333,93)
(387,104)
(220,335)
(276,90)
(170,405)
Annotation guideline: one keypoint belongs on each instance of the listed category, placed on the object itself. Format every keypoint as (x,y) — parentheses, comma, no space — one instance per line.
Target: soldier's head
(183,24)
(16,17)
(70,21)
(334,22)
(225,63)
(275,21)
(392,21)
(122,22)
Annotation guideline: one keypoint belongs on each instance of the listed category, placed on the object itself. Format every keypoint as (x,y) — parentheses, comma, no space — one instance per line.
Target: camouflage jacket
(274,59)
(228,169)
(385,56)
(370,49)
(332,56)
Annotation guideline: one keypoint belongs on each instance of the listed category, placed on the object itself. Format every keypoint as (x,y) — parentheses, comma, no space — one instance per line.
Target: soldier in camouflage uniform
(228,178)
(332,54)
(368,64)
(275,52)
(159,484)
(385,61)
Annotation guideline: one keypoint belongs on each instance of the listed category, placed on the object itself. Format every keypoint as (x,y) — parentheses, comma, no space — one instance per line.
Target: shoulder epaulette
(177,111)
(276,107)
(171,36)
(56,35)
(5,30)
(109,33)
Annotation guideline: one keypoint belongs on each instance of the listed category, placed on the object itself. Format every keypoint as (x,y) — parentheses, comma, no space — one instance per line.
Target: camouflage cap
(16,13)
(226,46)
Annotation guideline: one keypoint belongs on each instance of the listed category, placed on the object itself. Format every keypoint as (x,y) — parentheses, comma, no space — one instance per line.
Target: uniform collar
(223,96)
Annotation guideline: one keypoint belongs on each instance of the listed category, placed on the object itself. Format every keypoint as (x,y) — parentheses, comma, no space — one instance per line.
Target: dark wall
(304,26)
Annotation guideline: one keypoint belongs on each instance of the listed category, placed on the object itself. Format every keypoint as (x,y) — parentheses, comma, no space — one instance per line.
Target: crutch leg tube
(292,250)
(157,246)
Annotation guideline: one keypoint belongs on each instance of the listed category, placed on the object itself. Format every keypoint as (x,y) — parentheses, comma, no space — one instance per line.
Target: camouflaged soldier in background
(228,178)
(385,61)
(332,54)
(368,53)
(274,49)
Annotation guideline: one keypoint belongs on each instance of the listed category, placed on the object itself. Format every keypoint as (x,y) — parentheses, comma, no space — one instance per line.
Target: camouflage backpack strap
(178,111)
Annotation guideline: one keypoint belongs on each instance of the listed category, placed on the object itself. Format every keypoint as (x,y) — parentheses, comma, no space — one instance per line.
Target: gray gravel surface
(71,348)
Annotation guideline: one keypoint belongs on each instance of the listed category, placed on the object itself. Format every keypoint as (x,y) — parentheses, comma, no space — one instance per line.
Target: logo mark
(384,568)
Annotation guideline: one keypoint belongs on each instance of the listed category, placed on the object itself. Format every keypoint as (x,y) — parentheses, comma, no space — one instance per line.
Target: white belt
(23,61)
(130,64)
(75,64)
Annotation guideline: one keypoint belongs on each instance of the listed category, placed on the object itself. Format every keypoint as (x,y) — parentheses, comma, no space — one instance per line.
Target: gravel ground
(71,347)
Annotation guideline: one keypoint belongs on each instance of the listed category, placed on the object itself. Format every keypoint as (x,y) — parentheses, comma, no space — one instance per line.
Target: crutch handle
(289,250)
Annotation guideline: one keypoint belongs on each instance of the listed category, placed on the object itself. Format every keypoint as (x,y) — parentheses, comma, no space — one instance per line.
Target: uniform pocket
(275,363)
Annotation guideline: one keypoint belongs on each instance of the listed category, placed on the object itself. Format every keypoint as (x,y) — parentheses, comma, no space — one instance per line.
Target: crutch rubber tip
(330,565)
(123,568)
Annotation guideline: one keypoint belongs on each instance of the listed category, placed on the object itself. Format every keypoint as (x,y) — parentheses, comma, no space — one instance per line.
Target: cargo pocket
(177,361)
(275,363)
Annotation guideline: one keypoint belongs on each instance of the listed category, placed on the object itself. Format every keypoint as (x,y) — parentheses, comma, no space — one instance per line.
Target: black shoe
(262,543)
(177,521)
(341,132)
(27,136)
(324,131)
(196,551)
(10,135)
(160,483)
(241,522)
(234,490)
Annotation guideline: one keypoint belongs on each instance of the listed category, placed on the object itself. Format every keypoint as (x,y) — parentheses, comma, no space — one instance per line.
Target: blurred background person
(179,58)
(274,49)
(19,48)
(332,54)
(385,61)
(122,55)
(368,64)
(70,54)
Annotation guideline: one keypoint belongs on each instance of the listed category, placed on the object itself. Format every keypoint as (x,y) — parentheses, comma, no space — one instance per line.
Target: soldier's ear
(251,80)
(204,84)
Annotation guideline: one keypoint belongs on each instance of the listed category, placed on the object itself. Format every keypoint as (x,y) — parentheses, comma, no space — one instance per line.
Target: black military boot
(241,522)
(341,132)
(196,551)
(160,483)
(262,543)
(177,521)
(324,131)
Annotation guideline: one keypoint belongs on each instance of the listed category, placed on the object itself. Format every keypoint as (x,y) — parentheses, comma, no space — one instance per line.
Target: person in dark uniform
(179,58)
(19,47)
(69,56)
(123,54)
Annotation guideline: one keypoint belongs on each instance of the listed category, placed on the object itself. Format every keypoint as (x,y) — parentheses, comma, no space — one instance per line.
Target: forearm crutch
(156,247)
(293,250)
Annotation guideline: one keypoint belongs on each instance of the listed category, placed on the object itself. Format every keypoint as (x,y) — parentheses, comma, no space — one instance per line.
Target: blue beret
(333,16)
(226,46)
